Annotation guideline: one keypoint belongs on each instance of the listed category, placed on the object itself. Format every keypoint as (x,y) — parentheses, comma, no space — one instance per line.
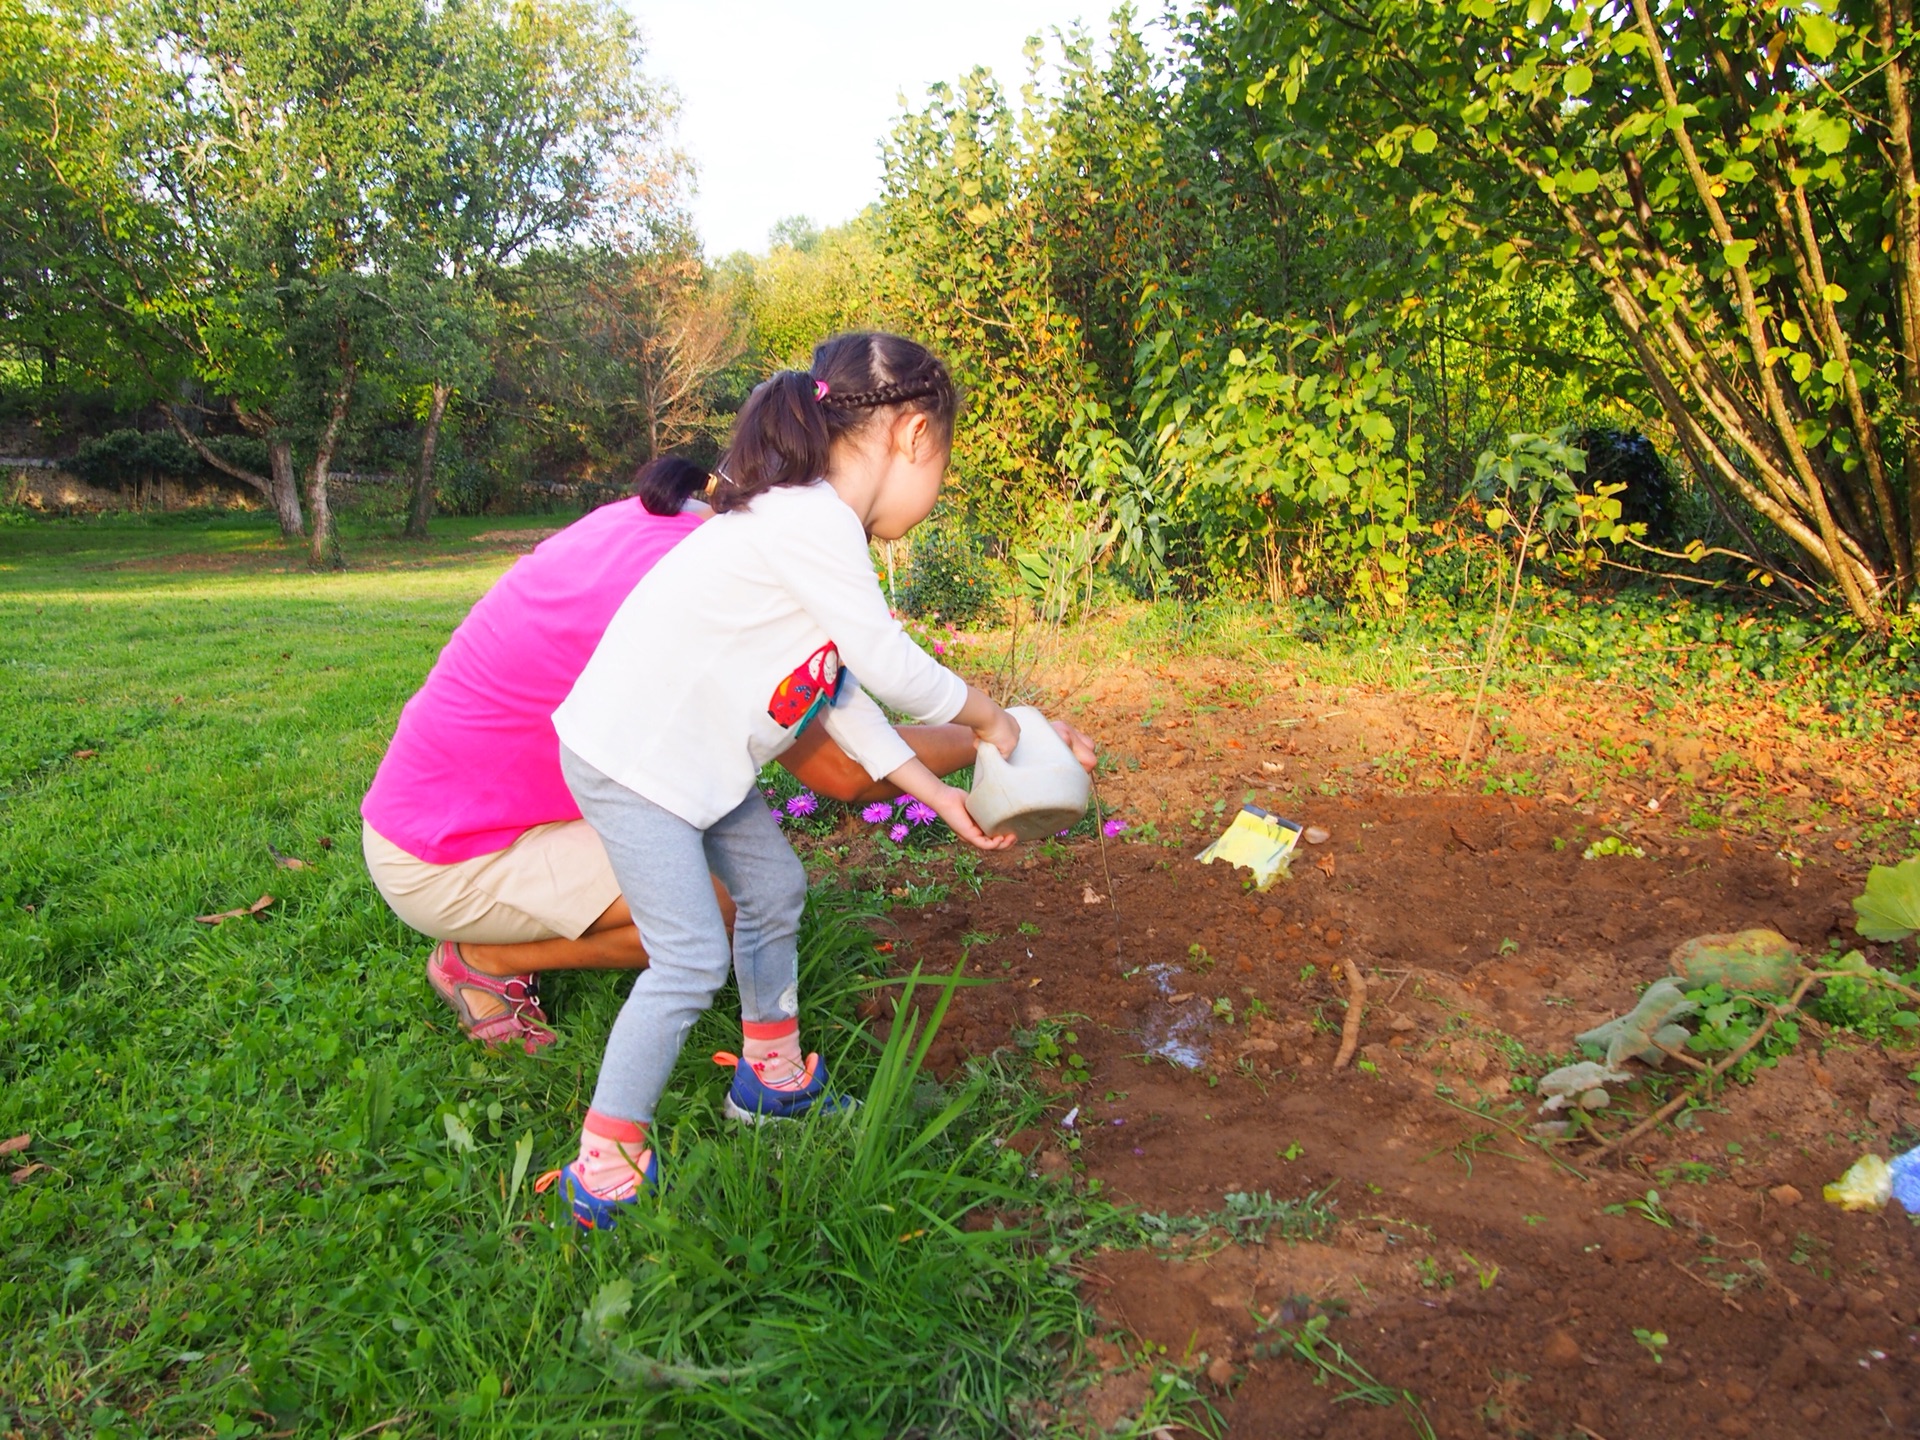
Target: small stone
(1784,1195)
(1674,1372)
(1220,1372)
(1335,935)
(1562,1350)
(1739,1392)
(1734,1425)
(1544,1296)
(1812,1411)
(1402,1023)
(1626,1252)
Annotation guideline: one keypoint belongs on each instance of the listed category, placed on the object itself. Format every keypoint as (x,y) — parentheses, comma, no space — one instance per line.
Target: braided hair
(786,431)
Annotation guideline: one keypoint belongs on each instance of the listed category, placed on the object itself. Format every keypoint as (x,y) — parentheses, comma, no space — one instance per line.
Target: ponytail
(786,431)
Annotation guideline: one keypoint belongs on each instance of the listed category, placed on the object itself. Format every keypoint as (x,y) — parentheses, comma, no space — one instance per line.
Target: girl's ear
(912,435)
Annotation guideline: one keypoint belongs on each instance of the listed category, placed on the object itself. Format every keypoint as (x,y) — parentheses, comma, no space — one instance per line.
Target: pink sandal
(523,1019)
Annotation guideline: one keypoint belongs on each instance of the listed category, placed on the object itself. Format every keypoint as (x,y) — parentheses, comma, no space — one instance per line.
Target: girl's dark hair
(789,424)
(666,482)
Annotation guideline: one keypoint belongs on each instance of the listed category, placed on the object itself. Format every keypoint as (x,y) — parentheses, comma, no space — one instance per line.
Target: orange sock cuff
(627,1132)
(769,1029)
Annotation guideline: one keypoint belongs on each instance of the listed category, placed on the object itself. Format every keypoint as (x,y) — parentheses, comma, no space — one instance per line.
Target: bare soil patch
(1472,1270)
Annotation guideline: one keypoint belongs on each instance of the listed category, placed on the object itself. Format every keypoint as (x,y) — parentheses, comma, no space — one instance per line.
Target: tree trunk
(285,491)
(422,509)
(325,550)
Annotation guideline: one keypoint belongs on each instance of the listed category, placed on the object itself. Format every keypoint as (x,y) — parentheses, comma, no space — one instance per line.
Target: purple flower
(877,812)
(1113,828)
(897,834)
(779,817)
(918,814)
(802,804)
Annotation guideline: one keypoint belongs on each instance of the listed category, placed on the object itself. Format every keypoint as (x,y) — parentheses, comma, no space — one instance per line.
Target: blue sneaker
(591,1211)
(751,1100)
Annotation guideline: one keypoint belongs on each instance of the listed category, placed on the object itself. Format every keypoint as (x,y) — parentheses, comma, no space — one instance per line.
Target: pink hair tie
(820,390)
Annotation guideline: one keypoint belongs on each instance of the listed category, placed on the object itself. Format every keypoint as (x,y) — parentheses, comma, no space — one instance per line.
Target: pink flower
(918,814)
(877,812)
(939,647)
(1113,828)
(802,804)
(897,834)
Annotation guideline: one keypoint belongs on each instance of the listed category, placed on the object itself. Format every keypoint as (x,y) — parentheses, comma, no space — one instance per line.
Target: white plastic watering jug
(1039,792)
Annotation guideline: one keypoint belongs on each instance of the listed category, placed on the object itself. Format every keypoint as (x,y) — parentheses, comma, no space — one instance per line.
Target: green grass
(283,1196)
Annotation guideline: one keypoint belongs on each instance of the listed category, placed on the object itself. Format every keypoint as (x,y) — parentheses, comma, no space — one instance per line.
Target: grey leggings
(663,865)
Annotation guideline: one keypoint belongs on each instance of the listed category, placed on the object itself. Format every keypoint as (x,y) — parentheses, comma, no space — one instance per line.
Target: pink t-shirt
(475,761)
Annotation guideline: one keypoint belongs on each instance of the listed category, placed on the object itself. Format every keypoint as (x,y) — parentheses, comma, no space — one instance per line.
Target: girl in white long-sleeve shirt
(764,620)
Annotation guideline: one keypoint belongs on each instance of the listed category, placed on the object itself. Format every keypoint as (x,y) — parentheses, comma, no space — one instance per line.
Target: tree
(1734,183)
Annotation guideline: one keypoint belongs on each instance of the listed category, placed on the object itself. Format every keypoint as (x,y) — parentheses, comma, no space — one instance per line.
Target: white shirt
(709,666)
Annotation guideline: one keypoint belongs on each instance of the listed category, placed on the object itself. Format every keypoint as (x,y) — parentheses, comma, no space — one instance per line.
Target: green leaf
(1831,135)
(1818,34)
(1736,252)
(1578,80)
(1497,518)
(1889,908)
(1424,140)
(606,1314)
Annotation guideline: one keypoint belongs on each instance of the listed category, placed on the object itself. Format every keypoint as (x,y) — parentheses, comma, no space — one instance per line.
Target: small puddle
(1176,1032)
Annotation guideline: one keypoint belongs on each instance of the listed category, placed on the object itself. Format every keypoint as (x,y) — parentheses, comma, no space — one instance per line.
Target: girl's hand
(990,724)
(948,802)
(1001,731)
(951,807)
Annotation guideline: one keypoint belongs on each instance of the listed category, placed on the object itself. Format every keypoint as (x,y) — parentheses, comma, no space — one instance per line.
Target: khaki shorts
(550,884)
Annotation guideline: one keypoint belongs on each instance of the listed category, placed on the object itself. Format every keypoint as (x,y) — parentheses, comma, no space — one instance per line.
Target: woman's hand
(1081,744)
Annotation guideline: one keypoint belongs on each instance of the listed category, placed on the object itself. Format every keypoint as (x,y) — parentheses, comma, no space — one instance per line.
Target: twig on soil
(1725,1298)
(1100,829)
(1356,1003)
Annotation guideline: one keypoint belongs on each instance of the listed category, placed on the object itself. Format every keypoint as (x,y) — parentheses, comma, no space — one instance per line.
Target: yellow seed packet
(1258,841)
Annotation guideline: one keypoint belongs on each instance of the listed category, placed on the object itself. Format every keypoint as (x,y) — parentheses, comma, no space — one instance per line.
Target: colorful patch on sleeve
(813,683)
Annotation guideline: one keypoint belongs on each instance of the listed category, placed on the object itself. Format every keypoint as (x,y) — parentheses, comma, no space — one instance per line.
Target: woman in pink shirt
(470,832)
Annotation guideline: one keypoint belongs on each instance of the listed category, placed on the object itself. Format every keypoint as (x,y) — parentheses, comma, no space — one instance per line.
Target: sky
(783,104)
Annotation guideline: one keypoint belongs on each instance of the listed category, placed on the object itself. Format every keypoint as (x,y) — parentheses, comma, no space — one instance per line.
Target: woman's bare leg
(611,943)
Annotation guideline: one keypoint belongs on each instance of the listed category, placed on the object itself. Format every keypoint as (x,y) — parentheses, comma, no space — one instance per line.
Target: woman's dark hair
(666,482)
(788,426)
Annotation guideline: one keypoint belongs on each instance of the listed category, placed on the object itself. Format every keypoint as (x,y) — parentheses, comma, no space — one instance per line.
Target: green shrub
(948,578)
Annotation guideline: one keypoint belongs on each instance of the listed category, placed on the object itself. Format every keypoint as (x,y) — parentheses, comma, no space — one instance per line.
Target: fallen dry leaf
(1091,896)
(287,862)
(254,909)
(27,1172)
(1183,996)
(1316,835)
(15,1145)
(85,754)
(1324,865)
(1463,839)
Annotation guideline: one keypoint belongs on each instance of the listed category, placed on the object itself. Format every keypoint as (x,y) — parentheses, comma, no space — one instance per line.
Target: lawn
(266,1188)
(270,1189)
